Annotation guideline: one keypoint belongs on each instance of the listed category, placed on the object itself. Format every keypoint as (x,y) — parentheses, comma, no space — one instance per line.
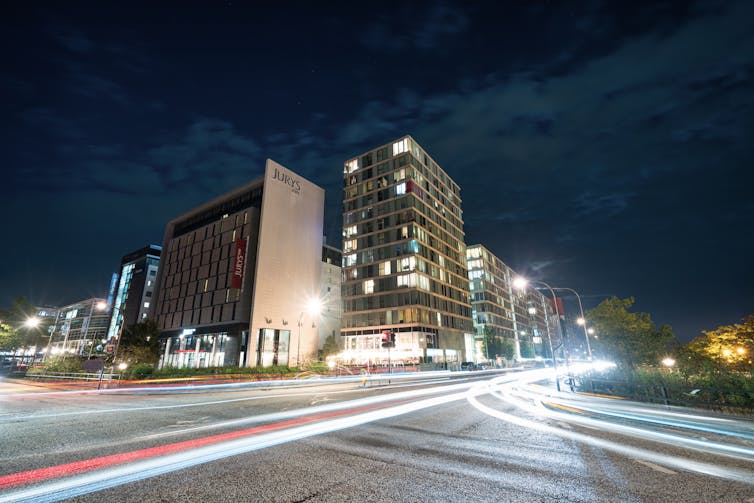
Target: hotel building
(524,317)
(404,259)
(237,273)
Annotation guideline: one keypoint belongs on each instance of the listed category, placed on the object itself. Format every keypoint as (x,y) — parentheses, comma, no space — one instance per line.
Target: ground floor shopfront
(222,348)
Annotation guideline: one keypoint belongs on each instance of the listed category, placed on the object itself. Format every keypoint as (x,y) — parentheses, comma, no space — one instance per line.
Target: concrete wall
(288,265)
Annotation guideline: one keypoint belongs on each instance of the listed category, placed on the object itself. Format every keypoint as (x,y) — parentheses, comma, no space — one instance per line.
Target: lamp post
(32,322)
(102,306)
(312,307)
(521,284)
(581,321)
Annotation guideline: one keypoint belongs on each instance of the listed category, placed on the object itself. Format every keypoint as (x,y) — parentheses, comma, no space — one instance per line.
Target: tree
(729,346)
(9,339)
(331,346)
(526,348)
(631,339)
(16,317)
(140,343)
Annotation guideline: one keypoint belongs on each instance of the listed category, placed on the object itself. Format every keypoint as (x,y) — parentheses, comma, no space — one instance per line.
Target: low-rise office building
(79,328)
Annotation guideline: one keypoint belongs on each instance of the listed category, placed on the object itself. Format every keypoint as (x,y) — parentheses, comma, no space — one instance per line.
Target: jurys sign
(239,264)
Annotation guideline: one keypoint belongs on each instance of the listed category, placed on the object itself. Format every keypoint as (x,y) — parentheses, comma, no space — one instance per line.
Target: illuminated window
(474,252)
(407,280)
(385,268)
(350,231)
(351,166)
(475,264)
(400,146)
(350,260)
(400,189)
(350,245)
(399,175)
(146,304)
(408,264)
(369,286)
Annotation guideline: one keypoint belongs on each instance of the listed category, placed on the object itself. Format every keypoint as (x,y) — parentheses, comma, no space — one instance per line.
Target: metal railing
(741,400)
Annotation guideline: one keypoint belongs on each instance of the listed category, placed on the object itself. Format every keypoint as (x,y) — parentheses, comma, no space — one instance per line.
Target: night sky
(599,146)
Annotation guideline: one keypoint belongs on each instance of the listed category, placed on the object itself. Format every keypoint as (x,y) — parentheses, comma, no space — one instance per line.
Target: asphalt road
(442,440)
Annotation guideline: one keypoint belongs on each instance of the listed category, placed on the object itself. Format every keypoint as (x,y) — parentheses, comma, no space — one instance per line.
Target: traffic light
(388,339)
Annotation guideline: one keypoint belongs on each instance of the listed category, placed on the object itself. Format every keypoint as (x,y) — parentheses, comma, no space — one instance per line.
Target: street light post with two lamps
(521,284)
(582,320)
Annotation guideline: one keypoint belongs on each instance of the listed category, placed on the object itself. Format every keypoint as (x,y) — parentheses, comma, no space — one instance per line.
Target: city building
(237,274)
(502,312)
(79,328)
(404,259)
(331,307)
(132,289)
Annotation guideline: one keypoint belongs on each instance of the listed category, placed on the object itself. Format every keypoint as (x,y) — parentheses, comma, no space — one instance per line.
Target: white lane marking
(653,466)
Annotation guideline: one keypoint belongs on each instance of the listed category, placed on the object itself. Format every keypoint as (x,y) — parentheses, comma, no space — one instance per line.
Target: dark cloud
(602,147)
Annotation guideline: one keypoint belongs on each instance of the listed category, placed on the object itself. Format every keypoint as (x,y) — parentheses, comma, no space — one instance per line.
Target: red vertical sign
(239,264)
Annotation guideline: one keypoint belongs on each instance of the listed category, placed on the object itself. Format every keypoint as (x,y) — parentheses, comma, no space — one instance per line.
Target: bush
(63,364)
(141,371)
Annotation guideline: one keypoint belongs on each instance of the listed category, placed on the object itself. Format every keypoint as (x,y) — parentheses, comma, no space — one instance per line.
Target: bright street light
(521,283)
(313,307)
(32,322)
(668,362)
(580,321)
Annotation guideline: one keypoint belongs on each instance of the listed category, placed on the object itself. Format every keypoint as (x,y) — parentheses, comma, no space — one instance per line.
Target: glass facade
(190,350)
(504,312)
(79,328)
(404,256)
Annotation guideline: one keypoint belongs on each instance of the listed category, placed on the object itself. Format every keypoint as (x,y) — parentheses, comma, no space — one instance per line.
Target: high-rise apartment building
(237,273)
(134,288)
(501,311)
(404,258)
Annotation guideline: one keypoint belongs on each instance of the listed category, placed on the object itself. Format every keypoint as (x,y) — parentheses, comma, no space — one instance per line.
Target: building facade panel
(287,274)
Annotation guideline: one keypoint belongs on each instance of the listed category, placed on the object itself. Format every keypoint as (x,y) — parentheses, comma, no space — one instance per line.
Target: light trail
(79,484)
(533,404)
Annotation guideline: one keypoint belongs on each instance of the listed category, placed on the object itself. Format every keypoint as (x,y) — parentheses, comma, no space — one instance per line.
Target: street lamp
(581,320)
(312,307)
(31,322)
(521,283)
(102,306)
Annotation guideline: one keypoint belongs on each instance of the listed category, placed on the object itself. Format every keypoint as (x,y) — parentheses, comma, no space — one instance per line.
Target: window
(349,245)
(351,166)
(369,286)
(408,264)
(146,304)
(349,260)
(350,231)
(400,189)
(407,280)
(385,268)
(400,146)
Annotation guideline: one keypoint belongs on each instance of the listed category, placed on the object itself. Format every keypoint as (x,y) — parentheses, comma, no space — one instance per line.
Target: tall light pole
(521,283)
(102,306)
(581,321)
(32,322)
(312,307)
